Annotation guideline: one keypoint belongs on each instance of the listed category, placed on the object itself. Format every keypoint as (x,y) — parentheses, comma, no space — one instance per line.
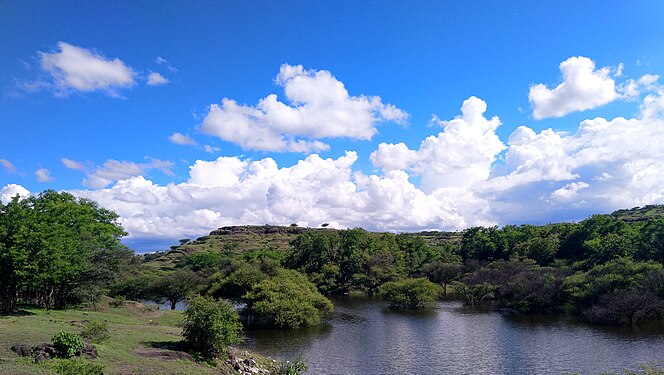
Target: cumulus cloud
(80,69)
(319,106)
(8,165)
(231,190)
(459,156)
(568,191)
(182,139)
(583,87)
(10,191)
(156,79)
(43,175)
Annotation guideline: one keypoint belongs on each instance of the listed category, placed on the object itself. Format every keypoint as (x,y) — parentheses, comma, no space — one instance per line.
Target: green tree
(410,293)
(209,326)
(177,286)
(287,300)
(619,291)
(443,273)
(49,244)
(475,294)
(17,248)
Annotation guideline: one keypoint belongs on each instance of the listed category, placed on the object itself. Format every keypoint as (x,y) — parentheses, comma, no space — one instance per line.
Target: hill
(636,214)
(247,238)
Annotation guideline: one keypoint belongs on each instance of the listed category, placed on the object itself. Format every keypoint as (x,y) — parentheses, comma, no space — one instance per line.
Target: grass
(133,329)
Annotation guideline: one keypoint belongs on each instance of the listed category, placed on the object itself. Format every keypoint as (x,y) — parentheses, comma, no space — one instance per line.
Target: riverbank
(141,340)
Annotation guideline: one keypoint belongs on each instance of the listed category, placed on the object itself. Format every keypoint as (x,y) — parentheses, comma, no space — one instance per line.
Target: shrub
(292,368)
(287,300)
(410,293)
(67,344)
(95,331)
(210,326)
(78,367)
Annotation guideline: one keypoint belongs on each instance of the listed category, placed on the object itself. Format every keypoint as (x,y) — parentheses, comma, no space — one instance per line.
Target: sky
(183,117)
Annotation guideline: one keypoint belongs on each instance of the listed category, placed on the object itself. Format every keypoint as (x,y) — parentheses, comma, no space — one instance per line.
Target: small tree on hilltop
(210,326)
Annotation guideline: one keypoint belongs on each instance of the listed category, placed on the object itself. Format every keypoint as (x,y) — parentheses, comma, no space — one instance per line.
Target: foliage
(135,288)
(237,283)
(53,245)
(210,326)
(175,287)
(475,294)
(292,368)
(620,291)
(287,299)
(67,344)
(95,331)
(521,285)
(443,273)
(78,367)
(410,293)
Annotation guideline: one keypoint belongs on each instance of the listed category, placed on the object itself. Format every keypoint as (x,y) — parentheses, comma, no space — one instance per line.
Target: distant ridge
(242,239)
(631,215)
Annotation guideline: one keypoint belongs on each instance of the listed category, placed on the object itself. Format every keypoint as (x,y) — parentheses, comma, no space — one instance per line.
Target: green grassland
(140,342)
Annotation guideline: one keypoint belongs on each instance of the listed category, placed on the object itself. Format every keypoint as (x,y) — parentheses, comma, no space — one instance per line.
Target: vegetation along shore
(74,298)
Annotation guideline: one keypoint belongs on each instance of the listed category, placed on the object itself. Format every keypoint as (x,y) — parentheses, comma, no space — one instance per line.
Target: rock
(40,357)
(89,352)
(45,348)
(23,350)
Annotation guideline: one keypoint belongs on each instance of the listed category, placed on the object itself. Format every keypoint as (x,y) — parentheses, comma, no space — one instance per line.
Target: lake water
(365,337)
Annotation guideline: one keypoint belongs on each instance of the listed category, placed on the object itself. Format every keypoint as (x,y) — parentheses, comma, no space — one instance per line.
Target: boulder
(21,349)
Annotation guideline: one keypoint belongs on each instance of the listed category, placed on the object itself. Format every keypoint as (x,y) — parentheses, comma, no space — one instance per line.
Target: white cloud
(459,156)
(162,61)
(568,191)
(583,87)
(231,190)
(156,79)
(76,68)
(8,165)
(43,175)
(467,175)
(10,191)
(211,149)
(182,139)
(114,170)
(320,107)
(71,164)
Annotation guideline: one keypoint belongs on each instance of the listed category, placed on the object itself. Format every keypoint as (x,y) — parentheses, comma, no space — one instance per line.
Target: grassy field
(138,343)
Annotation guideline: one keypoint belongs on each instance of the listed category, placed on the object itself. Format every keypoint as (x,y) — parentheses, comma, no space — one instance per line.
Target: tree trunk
(173,303)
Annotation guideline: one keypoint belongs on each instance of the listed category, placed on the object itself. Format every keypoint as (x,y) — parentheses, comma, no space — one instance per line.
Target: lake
(366,337)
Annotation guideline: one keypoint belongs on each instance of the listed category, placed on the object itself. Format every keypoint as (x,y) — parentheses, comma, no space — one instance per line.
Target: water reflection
(365,337)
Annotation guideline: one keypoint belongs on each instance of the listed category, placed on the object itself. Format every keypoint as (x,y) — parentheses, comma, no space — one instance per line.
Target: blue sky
(122,103)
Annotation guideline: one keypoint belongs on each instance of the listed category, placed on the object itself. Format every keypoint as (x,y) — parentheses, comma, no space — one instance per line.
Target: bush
(287,300)
(410,294)
(476,293)
(210,326)
(78,367)
(292,368)
(67,344)
(95,331)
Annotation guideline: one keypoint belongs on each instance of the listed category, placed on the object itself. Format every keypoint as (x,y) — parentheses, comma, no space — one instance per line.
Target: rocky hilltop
(258,230)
